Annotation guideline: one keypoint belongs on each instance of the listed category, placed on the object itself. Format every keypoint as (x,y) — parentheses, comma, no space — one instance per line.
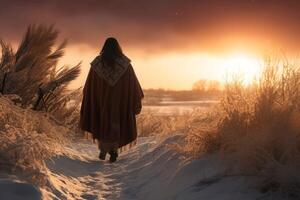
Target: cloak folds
(111,99)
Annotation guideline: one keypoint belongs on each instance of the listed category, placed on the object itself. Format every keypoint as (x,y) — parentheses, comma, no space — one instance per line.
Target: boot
(102,155)
(113,156)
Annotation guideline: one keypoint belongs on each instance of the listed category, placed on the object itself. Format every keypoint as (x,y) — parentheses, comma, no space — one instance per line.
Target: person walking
(112,97)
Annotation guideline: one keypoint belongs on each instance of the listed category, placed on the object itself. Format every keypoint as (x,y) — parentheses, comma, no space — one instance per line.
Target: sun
(242,65)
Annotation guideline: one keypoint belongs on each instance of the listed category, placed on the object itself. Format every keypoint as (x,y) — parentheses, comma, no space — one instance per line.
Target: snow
(150,170)
(14,190)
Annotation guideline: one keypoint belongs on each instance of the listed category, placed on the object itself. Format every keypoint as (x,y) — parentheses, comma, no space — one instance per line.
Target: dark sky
(211,25)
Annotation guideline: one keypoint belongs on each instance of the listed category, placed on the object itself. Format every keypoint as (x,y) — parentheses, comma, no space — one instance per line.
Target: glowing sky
(172,43)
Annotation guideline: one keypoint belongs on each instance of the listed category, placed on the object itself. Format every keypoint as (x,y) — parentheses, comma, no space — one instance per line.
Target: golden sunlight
(179,70)
(244,66)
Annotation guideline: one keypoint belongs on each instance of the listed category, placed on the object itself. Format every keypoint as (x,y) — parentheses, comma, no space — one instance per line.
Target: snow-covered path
(150,170)
(82,175)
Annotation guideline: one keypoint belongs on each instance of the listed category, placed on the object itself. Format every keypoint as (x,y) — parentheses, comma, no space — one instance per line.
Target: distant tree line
(201,90)
(209,86)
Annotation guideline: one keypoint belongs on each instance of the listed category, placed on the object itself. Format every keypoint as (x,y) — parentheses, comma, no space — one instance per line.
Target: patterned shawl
(111,74)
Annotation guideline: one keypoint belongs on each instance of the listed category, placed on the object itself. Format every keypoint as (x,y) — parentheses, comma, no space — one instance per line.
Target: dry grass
(27,138)
(257,129)
(150,122)
(31,71)
(30,78)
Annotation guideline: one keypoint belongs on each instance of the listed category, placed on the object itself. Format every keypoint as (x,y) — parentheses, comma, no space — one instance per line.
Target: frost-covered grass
(28,138)
(150,123)
(256,129)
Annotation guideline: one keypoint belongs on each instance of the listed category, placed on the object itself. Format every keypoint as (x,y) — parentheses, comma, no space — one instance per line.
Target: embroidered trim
(111,74)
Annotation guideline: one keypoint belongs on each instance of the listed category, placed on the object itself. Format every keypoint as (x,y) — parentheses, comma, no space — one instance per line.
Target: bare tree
(207,85)
(200,85)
